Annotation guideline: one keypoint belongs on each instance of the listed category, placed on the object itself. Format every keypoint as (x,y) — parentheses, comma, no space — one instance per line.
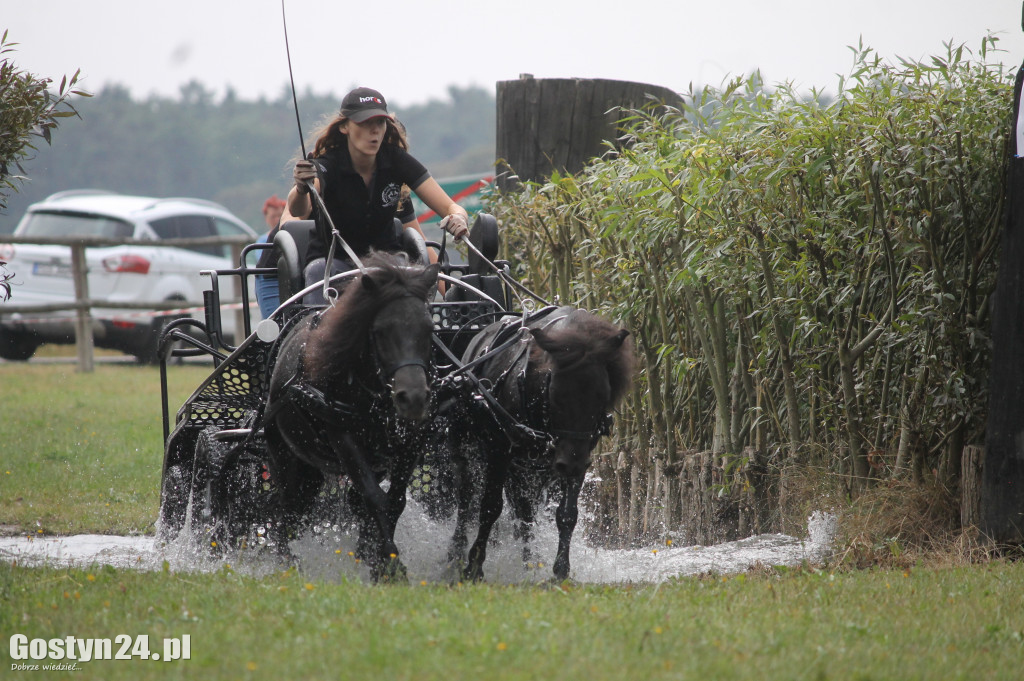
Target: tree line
(226,149)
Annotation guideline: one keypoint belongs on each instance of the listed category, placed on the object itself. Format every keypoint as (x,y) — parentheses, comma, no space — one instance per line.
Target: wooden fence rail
(83,304)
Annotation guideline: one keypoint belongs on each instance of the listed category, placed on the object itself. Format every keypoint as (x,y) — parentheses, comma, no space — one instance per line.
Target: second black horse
(546,388)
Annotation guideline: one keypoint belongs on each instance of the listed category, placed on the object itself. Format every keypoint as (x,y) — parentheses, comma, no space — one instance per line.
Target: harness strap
(464,368)
(511,327)
(511,426)
(315,402)
(391,369)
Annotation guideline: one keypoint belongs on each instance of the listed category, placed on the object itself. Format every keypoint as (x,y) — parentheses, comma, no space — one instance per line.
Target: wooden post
(84,343)
(1002,491)
(562,123)
(621,498)
(634,502)
(970,486)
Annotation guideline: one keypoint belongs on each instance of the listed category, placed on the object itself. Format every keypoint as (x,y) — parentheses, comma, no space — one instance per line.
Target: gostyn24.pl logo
(29,653)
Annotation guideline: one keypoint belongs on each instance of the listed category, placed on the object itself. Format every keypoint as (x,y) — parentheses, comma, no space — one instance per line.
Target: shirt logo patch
(389,197)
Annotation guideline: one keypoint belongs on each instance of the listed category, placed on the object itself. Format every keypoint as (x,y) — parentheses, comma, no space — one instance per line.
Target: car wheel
(17,346)
(146,353)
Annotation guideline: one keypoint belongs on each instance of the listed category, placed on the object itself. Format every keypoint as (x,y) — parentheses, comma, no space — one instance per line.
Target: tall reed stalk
(807,278)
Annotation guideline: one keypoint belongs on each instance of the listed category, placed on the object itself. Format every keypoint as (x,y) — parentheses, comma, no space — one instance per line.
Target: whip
(295,98)
(312,190)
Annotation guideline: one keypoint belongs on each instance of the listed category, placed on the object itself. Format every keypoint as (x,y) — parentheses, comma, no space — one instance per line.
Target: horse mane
(340,340)
(586,339)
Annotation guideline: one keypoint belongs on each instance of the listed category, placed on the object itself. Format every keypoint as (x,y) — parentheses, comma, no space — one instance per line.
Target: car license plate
(51,269)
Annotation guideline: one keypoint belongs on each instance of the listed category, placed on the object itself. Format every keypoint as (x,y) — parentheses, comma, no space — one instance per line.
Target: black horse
(543,402)
(351,394)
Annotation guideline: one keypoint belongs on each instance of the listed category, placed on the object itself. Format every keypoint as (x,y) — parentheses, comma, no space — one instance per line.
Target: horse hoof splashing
(351,394)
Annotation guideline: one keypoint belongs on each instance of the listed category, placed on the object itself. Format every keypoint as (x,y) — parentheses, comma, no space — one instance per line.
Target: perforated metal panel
(234,391)
(466,316)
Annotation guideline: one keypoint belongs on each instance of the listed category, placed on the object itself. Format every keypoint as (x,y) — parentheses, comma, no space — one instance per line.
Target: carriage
(220,478)
(215,450)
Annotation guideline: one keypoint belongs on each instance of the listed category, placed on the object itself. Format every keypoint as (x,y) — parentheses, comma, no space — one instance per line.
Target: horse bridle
(386,373)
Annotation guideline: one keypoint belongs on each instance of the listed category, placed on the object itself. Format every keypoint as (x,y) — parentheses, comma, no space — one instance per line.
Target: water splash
(327,552)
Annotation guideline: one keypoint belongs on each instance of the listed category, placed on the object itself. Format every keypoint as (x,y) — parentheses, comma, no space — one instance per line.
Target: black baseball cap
(364,103)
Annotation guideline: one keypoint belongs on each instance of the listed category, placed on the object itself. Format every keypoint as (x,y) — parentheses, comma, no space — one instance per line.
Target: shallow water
(325,553)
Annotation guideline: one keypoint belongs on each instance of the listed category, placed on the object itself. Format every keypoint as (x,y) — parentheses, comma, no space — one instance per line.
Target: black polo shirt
(363,215)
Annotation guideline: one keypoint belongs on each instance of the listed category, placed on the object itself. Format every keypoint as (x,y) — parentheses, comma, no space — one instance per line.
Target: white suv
(129,273)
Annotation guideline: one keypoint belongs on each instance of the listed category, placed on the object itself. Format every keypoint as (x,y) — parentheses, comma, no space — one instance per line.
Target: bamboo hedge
(807,281)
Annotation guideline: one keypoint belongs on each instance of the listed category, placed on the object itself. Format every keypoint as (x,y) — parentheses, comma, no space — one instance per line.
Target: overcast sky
(413,50)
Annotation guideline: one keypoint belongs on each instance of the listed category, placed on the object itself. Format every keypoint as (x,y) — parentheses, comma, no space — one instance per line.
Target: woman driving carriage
(359,165)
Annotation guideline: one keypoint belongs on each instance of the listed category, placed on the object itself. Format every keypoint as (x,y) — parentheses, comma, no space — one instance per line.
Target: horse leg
(297,481)
(364,524)
(490,509)
(401,474)
(383,554)
(523,506)
(404,463)
(466,488)
(565,520)
(296,484)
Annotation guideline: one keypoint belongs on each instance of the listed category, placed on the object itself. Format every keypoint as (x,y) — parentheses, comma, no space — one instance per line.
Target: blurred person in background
(266,284)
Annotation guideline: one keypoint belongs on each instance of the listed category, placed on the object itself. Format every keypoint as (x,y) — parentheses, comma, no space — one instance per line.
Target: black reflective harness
(536,440)
(352,416)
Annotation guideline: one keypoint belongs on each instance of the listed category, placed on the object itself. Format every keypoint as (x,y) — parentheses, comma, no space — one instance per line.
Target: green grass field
(963,623)
(82,453)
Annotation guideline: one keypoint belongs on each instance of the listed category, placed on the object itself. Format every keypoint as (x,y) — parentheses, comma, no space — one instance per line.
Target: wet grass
(959,623)
(83,452)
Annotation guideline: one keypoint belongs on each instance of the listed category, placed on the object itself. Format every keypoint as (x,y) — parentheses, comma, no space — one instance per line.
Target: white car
(129,273)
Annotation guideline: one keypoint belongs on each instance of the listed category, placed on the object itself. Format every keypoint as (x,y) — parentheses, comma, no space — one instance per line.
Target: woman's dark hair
(329,136)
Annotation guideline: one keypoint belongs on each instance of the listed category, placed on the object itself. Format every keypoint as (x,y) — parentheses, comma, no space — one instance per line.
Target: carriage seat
(289,255)
(292,242)
(489,284)
(484,236)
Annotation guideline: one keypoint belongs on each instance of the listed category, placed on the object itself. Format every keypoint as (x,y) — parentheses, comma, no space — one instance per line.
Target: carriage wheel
(331,504)
(174,493)
(433,484)
(207,504)
(231,497)
(247,502)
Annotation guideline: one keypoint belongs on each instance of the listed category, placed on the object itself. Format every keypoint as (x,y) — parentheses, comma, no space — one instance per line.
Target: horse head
(587,364)
(401,346)
(380,330)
